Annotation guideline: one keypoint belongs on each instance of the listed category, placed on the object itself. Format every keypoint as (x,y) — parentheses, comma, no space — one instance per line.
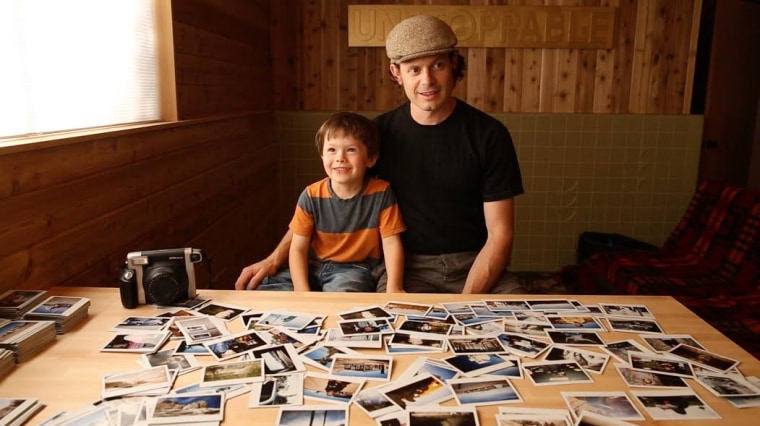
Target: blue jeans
(329,276)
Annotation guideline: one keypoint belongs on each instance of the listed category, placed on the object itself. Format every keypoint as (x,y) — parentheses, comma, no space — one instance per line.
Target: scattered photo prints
(322,356)
(659,364)
(336,338)
(277,390)
(430,343)
(674,404)
(369,367)
(614,405)
(136,342)
(222,311)
(703,358)
(487,328)
(543,419)
(457,307)
(437,368)
(577,338)
(135,381)
(365,326)
(746,401)
(229,373)
(229,391)
(427,327)
(477,364)
(722,385)
(639,378)
(200,329)
(330,388)
(555,373)
(475,345)
(196,349)
(182,363)
(522,346)
(665,342)
(147,324)
(281,336)
(187,409)
(506,305)
(369,312)
(424,416)
(420,390)
(634,325)
(328,415)
(291,320)
(551,305)
(279,359)
(592,362)
(374,402)
(624,310)
(534,329)
(512,369)
(574,322)
(407,308)
(621,348)
(234,345)
(483,391)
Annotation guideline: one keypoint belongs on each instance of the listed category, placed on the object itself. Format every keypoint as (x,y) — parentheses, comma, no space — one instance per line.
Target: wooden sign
(560,27)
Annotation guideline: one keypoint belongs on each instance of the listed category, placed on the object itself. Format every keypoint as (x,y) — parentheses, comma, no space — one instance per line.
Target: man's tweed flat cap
(418,36)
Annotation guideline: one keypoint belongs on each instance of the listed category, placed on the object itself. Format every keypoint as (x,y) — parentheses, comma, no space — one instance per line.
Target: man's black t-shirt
(442,174)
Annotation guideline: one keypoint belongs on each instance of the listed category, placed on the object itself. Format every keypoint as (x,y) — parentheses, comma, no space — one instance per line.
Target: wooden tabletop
(67,375)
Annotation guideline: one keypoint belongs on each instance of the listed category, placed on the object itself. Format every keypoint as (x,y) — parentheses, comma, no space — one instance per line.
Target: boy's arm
(299,262)
(393,252)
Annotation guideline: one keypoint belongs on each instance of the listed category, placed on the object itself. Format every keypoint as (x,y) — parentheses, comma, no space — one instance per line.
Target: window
(76,64)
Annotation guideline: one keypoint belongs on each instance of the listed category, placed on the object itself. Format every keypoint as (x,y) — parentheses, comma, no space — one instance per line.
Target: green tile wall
(630,174)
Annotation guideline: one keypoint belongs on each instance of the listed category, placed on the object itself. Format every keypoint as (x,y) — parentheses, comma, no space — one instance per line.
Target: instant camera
(162,277)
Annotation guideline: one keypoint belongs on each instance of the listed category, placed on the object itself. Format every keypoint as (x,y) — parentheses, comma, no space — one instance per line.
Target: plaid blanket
(710,263)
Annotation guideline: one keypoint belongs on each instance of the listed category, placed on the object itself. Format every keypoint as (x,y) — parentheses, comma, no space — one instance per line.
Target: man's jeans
(329,276)
(445,273)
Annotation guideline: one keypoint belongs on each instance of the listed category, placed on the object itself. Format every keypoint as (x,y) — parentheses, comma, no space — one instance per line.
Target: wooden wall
(649,71)
(71,209)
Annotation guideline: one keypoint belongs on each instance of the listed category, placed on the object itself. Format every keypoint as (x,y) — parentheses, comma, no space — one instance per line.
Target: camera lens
(164,284)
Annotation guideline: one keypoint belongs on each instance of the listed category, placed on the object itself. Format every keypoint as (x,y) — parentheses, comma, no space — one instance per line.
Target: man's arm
(299,262)
(393,254)
(253,274)
(495,254)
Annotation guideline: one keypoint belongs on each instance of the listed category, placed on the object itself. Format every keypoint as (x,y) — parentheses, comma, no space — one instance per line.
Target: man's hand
(252,275)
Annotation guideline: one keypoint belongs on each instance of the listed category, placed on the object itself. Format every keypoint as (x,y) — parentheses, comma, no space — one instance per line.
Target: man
(453,168)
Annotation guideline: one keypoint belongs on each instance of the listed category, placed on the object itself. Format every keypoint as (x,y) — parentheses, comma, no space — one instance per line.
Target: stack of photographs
(66,312)
(16,411)
(15,303)
(7,361)
(26,338)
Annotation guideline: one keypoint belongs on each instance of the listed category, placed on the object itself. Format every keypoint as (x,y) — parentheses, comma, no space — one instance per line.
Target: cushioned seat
(710,263)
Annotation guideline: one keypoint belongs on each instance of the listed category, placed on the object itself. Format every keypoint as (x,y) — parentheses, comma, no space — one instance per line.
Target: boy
(344,224)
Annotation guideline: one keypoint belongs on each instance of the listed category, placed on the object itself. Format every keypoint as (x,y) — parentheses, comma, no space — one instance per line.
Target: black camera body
(162,277)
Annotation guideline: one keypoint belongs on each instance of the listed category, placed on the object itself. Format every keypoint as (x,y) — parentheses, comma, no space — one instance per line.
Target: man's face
(428,82)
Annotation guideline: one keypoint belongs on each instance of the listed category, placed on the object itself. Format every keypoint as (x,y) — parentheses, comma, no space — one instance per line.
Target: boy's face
(345,159)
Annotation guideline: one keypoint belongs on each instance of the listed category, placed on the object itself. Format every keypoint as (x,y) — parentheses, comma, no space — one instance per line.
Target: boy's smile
(345,160)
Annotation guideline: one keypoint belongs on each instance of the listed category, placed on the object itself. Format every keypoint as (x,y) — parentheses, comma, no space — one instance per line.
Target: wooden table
(67,375)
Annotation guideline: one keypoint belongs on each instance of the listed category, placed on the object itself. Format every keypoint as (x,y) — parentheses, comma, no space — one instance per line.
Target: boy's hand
(252,275)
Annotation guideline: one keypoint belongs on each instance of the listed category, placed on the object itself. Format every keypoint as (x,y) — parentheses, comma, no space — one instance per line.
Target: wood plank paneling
(647,70)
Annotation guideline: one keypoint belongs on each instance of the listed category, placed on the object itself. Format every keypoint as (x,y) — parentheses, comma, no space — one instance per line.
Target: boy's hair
(352,124)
